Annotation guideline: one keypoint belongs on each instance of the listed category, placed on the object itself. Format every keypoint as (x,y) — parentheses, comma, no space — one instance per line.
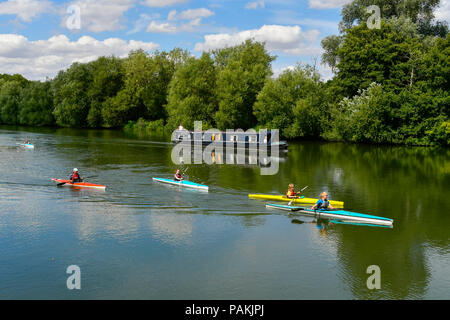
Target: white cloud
(25,10)
(142,22)
(162,3)
(166,27)
(102,15)
(161,27)
(443,12)
(286,39)
(190,14)
(327,4)
(255,5)
(44,58)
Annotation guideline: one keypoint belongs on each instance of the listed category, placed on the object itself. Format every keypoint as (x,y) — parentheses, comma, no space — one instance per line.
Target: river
(143,240)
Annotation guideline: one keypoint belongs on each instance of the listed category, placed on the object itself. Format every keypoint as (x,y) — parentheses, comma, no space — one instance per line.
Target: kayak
(311,201)
(182,183)
(27,145)
(335,214)
(79,184)
(360,224)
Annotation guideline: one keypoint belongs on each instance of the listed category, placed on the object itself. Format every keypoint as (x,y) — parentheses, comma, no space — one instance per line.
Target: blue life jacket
(322,205)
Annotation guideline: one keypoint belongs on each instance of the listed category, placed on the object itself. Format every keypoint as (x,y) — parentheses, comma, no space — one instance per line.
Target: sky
(40,37)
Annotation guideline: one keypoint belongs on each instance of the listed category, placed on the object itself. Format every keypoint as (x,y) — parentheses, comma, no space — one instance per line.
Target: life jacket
(290,193)
(323,204)
(75,176)
(178,176)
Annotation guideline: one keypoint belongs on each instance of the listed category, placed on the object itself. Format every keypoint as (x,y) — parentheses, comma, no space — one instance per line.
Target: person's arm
(314,207)
(330,206)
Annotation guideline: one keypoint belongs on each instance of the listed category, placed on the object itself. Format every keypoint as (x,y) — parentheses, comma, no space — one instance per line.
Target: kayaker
(75,176)
(178,176)
(291,194)
(322,203)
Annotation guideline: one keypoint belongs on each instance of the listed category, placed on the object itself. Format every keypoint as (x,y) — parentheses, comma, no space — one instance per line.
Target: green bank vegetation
(390,85)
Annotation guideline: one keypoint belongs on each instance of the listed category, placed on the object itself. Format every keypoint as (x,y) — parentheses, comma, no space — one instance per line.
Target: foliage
(390,85)
(292,103)
(242,71)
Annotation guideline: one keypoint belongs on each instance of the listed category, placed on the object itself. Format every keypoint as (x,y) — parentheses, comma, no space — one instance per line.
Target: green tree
(292,103)
(71,100)
(386,56)
(243,71)
(36,105)
(365,117)
(107,79)
(192,93)
(419,11)
(10,96)
(330,46)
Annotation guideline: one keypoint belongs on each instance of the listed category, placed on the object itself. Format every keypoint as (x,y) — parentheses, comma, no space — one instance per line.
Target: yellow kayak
(311,201)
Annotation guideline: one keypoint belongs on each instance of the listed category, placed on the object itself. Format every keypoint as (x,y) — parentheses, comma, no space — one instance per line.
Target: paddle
(290,202)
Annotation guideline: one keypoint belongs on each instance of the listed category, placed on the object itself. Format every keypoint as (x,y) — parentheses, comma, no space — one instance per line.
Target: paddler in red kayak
(75,176)
(177,176)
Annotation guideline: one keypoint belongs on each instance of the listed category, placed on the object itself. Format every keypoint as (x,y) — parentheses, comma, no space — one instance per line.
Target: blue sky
(35,39)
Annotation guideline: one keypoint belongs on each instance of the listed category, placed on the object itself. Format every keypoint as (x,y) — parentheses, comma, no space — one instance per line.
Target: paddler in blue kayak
(75,176)
(322,203)
(177,176)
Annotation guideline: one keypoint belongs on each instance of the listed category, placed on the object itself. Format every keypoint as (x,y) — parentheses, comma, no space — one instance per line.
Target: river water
(143,240)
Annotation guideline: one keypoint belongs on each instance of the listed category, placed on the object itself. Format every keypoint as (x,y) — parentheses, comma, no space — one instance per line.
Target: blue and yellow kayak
(311,201)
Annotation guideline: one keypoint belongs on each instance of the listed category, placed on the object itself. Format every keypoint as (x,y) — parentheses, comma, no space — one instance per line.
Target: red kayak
(79,184)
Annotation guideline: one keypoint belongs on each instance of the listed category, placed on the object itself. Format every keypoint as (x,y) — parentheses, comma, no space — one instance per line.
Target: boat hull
(335,214)
(311,201)
(79,184)
(182,183)
(27,145)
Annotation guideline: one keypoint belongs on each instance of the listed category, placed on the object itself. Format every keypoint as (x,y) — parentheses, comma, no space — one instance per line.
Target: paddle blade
(60,184)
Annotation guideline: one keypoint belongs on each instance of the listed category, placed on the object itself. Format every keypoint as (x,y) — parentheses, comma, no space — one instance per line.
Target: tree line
(390,85)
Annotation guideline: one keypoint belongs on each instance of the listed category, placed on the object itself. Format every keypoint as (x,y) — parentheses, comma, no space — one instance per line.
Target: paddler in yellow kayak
(322,203)
(291,194)
(75,176)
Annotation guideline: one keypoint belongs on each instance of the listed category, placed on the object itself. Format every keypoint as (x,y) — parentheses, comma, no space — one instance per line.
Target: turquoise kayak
(334,214)
(182,183)
(27,145)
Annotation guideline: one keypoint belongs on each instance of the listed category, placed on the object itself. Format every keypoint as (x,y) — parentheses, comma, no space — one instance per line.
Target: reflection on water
(142,239)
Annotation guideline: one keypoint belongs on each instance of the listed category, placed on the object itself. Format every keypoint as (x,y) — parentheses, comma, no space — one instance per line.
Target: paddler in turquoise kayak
(75,176)
(322,203)
(177,176)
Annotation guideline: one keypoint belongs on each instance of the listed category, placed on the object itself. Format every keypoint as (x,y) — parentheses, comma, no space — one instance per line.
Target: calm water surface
(143,240)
